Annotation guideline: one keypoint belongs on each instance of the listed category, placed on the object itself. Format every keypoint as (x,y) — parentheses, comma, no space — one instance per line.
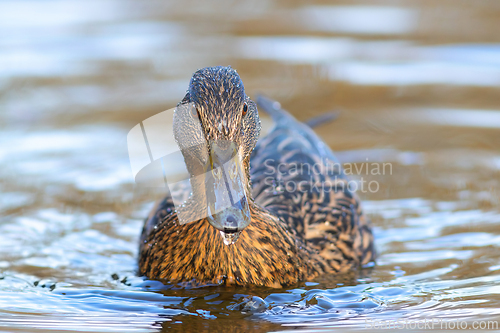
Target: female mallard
(294,216)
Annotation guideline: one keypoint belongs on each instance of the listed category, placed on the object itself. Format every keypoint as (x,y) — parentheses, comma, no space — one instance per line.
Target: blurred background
(417,84)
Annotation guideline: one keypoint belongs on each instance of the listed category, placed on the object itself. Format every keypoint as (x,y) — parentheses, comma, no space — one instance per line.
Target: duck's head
(216,126)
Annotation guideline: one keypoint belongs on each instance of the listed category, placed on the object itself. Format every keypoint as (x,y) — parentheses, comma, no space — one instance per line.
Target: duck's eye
(245,109)
(194,113)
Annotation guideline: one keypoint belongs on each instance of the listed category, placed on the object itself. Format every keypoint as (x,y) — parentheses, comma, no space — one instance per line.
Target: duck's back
(296,176)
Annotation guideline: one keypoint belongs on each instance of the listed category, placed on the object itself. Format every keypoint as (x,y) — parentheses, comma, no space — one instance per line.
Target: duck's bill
(227,202)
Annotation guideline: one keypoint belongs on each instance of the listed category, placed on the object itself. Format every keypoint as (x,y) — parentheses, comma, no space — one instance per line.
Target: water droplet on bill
(229,238)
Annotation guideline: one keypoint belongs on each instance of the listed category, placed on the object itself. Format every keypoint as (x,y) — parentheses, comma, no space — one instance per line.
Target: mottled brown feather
(293,235)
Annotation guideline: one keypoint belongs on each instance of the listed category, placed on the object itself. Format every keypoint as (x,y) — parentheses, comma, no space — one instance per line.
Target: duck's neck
(257,212)
(267,252)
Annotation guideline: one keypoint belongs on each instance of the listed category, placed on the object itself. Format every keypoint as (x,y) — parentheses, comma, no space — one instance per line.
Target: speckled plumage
(294,234)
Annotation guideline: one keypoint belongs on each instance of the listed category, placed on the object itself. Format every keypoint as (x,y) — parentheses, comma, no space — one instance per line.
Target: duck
(292,215)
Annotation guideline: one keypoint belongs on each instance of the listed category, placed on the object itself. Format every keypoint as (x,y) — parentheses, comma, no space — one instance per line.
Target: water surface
(417,87)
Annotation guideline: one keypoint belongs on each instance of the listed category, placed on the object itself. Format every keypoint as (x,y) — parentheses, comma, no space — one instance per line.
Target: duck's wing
(296,176)
(291,148)
(286,125)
